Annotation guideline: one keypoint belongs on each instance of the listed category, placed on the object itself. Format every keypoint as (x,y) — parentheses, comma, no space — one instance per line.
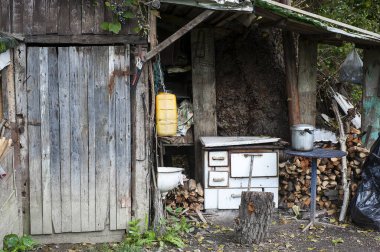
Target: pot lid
(302,127)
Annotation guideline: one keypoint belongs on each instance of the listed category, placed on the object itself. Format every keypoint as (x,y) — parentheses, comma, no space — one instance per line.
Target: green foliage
(173,230)
(13,243)
(123,12)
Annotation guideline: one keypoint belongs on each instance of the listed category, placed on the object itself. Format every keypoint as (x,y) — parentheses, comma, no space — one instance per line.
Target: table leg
(313,189)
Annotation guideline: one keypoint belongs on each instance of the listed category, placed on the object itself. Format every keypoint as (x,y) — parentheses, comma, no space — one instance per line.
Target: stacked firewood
(189,196)
(295,177)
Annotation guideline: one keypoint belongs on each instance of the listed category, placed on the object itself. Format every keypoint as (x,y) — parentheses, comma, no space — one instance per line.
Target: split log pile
(189,196)
(295,177)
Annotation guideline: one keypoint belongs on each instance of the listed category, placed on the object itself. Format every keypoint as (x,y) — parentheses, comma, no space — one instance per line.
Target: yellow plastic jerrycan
(166,114)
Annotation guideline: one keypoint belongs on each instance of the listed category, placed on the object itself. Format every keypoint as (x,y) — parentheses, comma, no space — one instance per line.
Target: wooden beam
(307,80)
(85,39)
(204,92)
(371,102)
(290,56)
(291,77)
(178,34)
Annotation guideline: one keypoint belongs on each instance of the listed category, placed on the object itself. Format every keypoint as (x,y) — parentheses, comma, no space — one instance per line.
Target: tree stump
(255,214)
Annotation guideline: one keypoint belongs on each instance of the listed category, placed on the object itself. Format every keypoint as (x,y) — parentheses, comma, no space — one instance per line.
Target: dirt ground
(285,234)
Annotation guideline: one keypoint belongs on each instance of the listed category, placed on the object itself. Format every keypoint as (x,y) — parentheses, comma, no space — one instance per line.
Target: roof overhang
(271,13)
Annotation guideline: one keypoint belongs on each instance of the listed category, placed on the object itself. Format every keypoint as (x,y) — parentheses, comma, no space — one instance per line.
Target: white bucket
(169,178)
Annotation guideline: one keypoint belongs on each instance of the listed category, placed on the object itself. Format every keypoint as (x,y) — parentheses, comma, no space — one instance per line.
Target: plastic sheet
(365,206)
(352,69)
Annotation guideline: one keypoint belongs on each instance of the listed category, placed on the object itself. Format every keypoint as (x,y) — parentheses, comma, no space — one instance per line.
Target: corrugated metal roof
(295,19)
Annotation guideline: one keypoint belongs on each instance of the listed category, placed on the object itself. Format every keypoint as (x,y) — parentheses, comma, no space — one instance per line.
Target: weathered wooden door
(78,138)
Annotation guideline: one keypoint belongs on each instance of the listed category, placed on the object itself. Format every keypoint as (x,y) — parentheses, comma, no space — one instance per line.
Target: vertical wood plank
(5,18)
(122,125)
(307,80)
(75,17)
(51,16)
(55,165)
(4,96)
(111,129)
(88,12)
(101,142)
(140,168)
(84,58)
(204,93)
(98,18)
(39,17)
(75,139)
(28,17)
(34,140)
(64,17)
(65,135)
(17,16)
(91,141)
(22,121)
(45,142)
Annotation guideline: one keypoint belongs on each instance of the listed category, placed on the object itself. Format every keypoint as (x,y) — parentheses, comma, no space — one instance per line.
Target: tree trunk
(255,214)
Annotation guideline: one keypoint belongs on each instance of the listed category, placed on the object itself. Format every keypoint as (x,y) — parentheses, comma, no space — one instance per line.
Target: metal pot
(302,137)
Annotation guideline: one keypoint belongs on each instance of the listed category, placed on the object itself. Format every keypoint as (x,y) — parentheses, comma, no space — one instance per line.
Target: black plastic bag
(352,69)
(365,206)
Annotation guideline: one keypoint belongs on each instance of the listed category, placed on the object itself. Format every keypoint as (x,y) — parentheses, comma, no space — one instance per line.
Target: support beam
(178,34)
(291,77)
(290,55)
(204,93)
(371,100)
(307,80)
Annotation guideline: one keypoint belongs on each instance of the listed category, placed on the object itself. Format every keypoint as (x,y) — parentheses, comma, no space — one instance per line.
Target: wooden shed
(84,132)
(82,166)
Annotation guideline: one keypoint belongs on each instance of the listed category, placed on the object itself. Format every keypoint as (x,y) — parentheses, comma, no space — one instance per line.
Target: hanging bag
(352,69)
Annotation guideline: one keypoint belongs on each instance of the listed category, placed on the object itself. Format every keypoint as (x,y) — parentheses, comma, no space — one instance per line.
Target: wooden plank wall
(78,134)
(62,17)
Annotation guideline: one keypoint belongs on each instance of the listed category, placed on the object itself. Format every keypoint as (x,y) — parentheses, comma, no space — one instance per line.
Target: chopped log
(255,214)
(200,189)
(192,185)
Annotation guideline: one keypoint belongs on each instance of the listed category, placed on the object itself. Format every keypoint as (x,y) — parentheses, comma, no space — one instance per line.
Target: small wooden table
(314,155)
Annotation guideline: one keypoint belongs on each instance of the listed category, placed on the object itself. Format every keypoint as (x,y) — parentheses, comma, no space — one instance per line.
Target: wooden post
(204,93)
(307,80)
(290,55)
(291,77)
(255,214)
(140,147)
(371,101)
